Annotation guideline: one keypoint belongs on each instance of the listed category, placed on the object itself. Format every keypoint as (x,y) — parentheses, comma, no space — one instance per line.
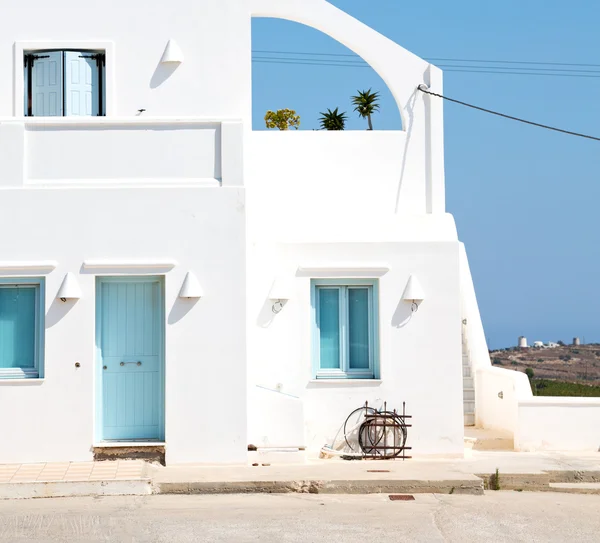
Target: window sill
(21,381)
(346,382)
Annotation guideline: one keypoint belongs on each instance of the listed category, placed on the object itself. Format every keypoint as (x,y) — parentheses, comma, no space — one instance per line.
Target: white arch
(401,70)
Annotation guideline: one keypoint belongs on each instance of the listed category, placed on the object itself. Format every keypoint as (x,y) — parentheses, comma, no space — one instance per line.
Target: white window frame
(22,47)
(345,372)
(37,370)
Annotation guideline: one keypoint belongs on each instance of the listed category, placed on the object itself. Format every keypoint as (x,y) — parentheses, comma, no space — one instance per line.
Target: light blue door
(130,355)
(81,84)
(47,84)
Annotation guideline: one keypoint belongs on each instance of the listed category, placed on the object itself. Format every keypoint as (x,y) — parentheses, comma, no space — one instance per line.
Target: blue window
(345,329)
(21,328)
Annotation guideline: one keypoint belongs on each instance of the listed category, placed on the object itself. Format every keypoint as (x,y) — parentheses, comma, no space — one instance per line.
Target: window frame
(25,47)
(37,370)
(345,372)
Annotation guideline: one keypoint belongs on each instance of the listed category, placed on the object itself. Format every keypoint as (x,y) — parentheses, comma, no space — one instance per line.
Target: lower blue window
(21,317)
(345,329)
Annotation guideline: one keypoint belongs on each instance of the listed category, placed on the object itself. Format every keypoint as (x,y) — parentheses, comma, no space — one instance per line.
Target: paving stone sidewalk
(565,472)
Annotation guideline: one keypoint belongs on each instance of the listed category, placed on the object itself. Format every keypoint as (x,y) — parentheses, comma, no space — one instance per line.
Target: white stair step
(468,406)
(468,382)
(469,394)
(469,419)
(466,371)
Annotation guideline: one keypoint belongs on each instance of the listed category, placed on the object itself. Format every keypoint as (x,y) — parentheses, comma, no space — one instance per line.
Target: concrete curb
(70,489)
(472,486)
(543,482)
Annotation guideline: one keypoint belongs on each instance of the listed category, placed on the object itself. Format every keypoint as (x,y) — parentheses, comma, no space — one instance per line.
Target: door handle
(138,363)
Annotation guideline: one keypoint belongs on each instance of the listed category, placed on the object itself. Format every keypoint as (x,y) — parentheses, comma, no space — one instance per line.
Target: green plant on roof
(283,119)
(333,120)
(366,103)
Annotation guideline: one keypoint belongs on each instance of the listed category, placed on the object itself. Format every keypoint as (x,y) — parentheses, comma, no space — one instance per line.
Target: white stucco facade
(171,180)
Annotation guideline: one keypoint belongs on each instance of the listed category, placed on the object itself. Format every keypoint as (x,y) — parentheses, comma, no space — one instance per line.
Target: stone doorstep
(146,452)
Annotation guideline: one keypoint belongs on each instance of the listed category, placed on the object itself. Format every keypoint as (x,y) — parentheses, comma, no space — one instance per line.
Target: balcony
(73,151)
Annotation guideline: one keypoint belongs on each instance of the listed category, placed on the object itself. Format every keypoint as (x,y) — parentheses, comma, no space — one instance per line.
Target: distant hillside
(571,364)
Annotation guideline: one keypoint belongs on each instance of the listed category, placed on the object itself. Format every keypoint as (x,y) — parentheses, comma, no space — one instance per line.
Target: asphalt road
(497,517)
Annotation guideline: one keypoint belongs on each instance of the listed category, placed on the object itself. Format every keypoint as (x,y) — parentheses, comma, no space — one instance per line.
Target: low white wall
(355,171)
(135,150)
(555,423)
(275,419)
(120,151)
(497,395)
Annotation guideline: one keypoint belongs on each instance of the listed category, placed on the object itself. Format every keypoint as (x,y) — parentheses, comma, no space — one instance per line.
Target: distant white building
(552,345)
(539,344)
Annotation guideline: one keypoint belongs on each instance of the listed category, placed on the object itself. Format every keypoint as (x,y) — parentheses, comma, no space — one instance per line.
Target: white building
(167,278)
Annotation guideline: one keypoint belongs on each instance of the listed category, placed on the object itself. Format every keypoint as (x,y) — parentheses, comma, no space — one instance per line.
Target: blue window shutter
(17,327)
(359,325)
(82,96)
(328,324)
(47,84)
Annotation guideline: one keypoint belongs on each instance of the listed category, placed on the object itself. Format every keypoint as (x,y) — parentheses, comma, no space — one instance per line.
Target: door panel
(130,344)
(46,85)
(81,84)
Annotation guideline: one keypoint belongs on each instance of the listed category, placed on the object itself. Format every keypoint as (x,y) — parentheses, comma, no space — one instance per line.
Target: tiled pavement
(118,470)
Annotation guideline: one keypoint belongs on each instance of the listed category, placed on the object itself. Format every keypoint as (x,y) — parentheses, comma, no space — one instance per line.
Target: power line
(308,53)
(447,68)
(504,115)
(522,73)
(361,63)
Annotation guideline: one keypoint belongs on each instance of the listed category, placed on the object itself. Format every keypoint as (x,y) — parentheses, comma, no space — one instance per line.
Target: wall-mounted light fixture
(191,288)
(69,290)
(281,292)
(173,54)
(413,293)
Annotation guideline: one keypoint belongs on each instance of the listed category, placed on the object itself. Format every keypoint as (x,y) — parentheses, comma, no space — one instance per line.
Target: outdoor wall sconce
(191,287)
(413,293)
(281,292)
(69,290)
(173,54)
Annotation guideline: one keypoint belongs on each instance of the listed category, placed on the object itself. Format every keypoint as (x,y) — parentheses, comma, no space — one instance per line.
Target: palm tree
(366,103)
(333,120)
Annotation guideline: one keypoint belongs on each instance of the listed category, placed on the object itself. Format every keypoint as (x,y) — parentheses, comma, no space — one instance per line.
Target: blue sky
(525,199)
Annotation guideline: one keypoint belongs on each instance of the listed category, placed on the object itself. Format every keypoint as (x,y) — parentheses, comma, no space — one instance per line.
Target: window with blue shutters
(64,83)
(345,329)
(21,328)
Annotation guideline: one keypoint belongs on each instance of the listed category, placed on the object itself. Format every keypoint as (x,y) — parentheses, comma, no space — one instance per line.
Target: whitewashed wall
(207,84)
(420,355)
(564,424)
(53,419)
(326,199)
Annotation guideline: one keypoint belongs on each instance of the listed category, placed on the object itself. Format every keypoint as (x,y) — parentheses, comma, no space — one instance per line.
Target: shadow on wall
(411,116)
(181,308)
(57,311)
(163,72)
(402,315)
(267,315)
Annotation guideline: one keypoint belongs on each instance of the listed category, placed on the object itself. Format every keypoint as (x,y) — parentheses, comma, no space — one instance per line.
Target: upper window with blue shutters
(61,83)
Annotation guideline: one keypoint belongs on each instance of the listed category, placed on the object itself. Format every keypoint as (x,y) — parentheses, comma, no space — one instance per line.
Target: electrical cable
(425,90)
(529,67)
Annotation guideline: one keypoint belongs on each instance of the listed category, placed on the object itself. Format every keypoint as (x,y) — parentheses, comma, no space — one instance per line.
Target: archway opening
(299,68)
